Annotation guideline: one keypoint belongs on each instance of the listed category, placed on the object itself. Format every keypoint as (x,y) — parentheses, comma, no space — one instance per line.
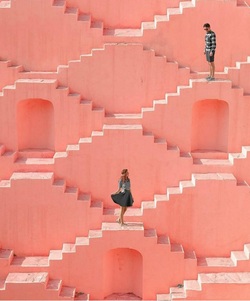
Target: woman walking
(123,196)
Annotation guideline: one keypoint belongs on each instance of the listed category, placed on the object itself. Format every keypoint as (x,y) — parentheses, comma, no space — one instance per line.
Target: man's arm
(213,41)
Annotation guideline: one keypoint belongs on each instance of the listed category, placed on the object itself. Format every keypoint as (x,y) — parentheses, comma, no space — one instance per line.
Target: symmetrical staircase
(90,88)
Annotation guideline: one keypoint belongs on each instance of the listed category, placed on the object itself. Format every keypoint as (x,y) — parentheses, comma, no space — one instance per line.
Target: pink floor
(89,87)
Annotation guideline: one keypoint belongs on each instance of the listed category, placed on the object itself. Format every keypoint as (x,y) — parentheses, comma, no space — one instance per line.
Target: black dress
(124,199)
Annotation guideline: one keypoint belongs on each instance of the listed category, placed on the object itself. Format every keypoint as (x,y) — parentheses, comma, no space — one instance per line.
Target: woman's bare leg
(123,210)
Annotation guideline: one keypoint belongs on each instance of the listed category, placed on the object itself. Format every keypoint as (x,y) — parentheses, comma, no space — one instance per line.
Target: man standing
(210,45)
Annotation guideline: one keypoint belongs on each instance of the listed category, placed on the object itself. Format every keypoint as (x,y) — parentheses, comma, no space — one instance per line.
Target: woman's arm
(119,187)
(117,191)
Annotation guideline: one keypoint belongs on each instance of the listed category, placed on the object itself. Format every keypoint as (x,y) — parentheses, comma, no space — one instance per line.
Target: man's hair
(206,25)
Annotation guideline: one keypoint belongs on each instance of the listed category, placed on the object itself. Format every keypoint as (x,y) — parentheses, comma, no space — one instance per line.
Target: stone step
(68,248)
(84,18)
(32,176)
(29,82)
(68,293)
(55,255)
(177,248)
(132,226)
(54,284)
(215,262)
(81,296)
(123,119)
(214,177)
(136,127)
(220,278)
(5,4)
(204,75)
(131,215)
(177,292)
(72,192)
(128,32)
(199,178)
(6,255)
(59,3)
(223,285)
(10,155)
(173,11)
(38,74)
(71,10)
(26,278)
(209,162)
(238,256)
(209,154)
(224,165)
(123,32)
(31,261)
(163,297)
(5,184)
(37,81)
(237,260)
(82,241)
(95,204)
(30,285)
(36,153)
(35,161)
(211,165)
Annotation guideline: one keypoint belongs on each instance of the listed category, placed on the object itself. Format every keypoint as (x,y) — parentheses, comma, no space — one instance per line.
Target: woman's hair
(124,176)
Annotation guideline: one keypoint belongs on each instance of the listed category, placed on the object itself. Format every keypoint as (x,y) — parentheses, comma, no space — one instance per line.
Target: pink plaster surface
(122,14)
(90,87)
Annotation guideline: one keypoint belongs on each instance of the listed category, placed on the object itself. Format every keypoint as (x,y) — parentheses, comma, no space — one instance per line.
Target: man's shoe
(211,79)
(208,78)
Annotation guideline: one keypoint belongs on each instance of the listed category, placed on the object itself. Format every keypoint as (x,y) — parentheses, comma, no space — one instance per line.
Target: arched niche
(210,121)
(35,124)
(123,273)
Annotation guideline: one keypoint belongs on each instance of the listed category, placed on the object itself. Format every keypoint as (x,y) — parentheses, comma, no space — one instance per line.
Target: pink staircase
(24,286)
(222,285)
(67,205)
(90,87)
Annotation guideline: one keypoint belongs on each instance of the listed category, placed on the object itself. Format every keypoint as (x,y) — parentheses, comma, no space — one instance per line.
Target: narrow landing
(131,226)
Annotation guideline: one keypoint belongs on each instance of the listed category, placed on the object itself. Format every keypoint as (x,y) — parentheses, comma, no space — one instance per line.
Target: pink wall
(8,73)
(160,161)
(35,119)
(158,272)
(65,121)
(211,195)
(44,45)
(238,78)
(180,110)
(210,121)
(94,77)
(118,263)
(122,14)
(182,39)
(55,211)
(110,85)
(44,55)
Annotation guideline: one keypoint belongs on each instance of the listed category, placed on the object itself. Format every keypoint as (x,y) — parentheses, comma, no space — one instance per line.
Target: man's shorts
(209,58)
